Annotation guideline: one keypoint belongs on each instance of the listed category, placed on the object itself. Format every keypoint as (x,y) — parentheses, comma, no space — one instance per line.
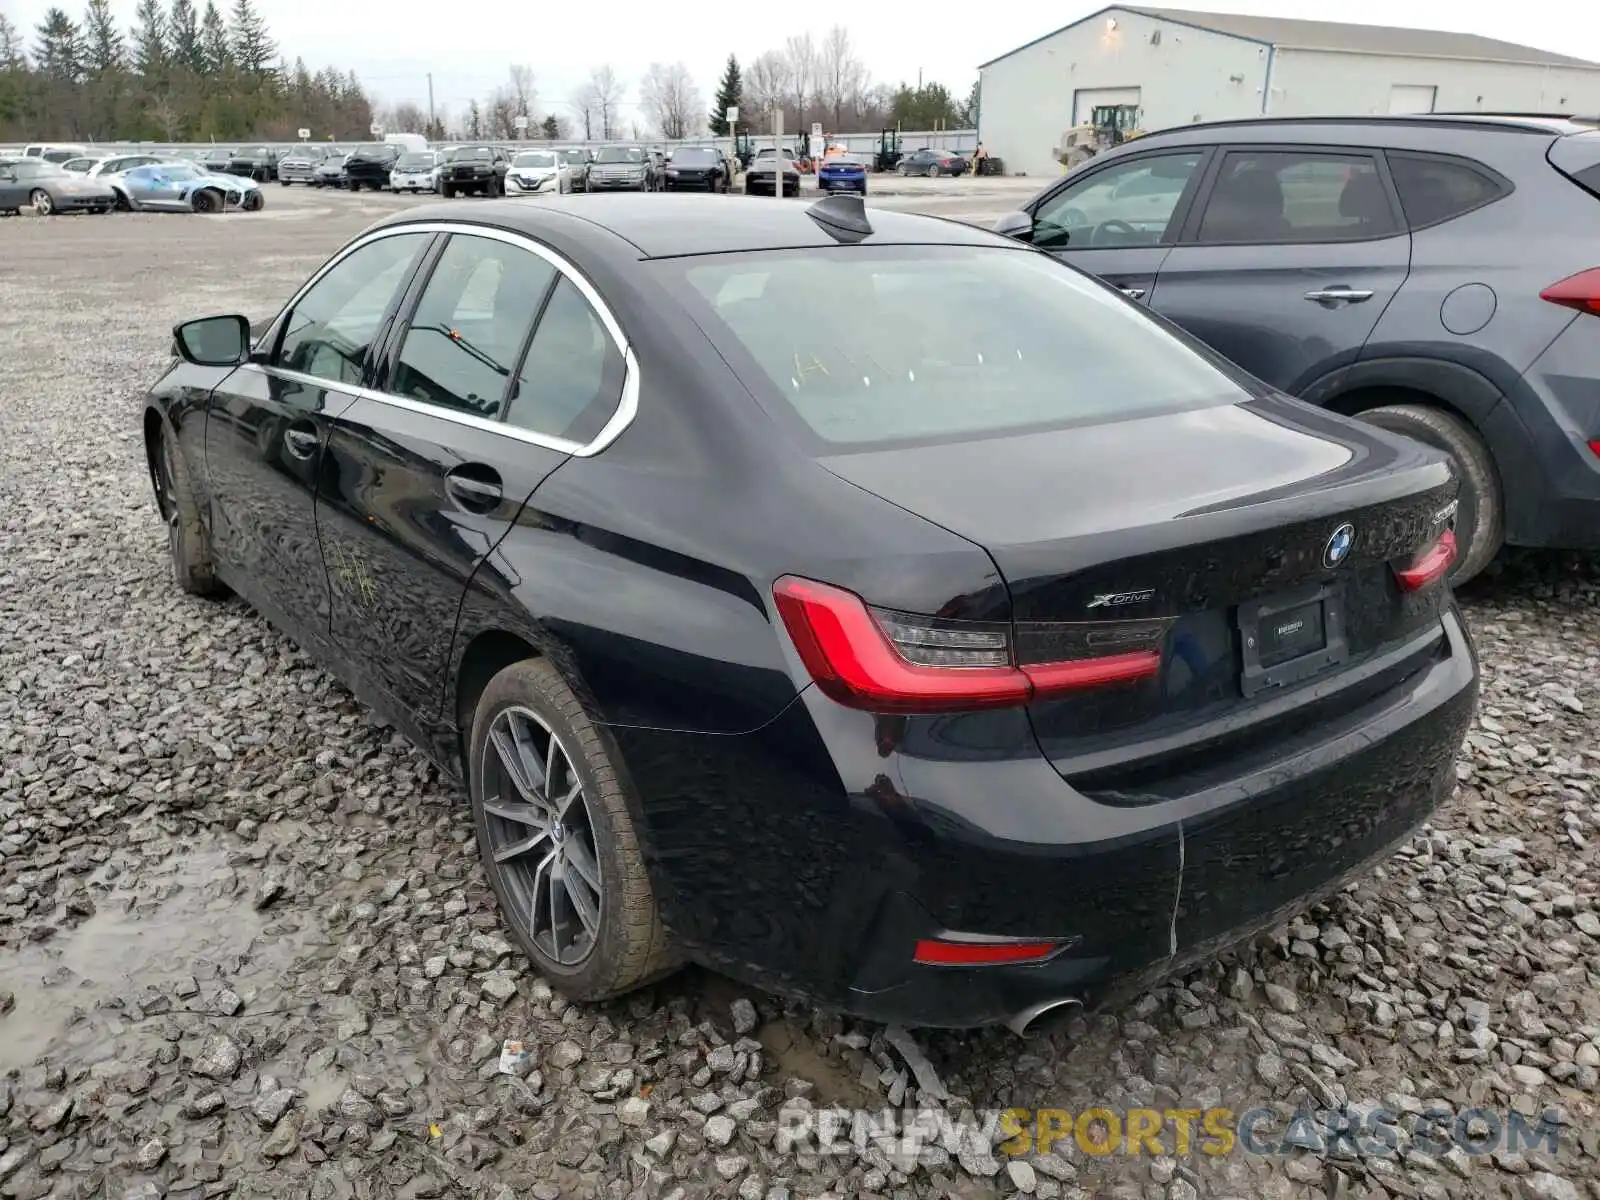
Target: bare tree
(523,90)
(802,56)
(670,99)
(500,114)
(766,84)
(587,106)
(407,117)
(606,96)
(841,76)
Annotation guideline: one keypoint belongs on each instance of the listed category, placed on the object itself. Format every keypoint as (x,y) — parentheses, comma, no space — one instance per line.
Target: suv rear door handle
(1334,296)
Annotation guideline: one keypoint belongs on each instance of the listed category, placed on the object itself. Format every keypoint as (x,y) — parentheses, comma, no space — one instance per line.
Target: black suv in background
(696,168)
(1435,275)
(369,166)
(254,162)
(474,171)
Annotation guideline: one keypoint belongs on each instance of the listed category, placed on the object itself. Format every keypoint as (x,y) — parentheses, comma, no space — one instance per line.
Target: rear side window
(571,378)
(1437,189)
(1268,197)
(470,324)
(857,347)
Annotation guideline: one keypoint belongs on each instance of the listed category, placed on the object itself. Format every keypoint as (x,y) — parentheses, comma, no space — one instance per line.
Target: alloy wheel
(541,836)
(43,205)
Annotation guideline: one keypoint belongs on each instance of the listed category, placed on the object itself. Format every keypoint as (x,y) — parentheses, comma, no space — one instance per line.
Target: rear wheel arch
(485,656)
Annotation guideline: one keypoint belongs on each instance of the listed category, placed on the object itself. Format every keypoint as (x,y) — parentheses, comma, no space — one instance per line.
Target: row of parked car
(488,170)
(126,182)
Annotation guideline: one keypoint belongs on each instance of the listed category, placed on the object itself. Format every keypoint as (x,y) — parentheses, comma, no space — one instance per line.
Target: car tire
(448,191)
(188,548)
(253,202)
(1481,515)
(529,707)
(283,183)
(207,201)
(42,203)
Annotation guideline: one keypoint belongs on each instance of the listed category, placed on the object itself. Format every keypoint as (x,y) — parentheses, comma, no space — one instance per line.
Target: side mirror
(1017,225)
(214,341)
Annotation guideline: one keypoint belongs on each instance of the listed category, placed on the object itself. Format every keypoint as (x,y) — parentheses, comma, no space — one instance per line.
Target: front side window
(1265,197)
(1126,204)
(571,379)
(471,322)
(857,347)
(330,329)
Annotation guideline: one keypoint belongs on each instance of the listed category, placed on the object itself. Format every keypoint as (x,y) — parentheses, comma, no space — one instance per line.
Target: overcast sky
(468,45)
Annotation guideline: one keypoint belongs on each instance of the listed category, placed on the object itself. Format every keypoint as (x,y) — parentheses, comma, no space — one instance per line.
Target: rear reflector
(1431,565)
(938,952)
(899,663)
(1580,291)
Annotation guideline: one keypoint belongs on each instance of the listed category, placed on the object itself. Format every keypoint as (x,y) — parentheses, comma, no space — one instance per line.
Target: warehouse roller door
(1086,100)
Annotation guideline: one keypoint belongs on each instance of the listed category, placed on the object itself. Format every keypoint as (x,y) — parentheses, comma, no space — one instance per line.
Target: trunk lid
(1214,534)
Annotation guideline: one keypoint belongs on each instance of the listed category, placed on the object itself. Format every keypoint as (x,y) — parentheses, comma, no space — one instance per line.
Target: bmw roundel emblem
(1340,542)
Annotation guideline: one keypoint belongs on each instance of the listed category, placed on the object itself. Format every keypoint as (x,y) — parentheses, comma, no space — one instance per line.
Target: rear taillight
(1580,291)
(1594,447)
(958,951)
(890,662)
(1430,565)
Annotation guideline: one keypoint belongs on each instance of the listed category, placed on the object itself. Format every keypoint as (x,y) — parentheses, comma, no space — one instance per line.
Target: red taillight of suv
(1580,291)
(1430,565)
(890,662)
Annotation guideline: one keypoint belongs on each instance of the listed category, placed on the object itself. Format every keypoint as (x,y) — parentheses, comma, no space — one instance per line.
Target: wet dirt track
(245,949)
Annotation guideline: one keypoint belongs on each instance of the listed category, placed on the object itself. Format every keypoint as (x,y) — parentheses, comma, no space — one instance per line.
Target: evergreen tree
(551,127)
(150,39)
(214,47)
(730,92)
(102,43)
(183,37)
(12,55)
(474,121)
(253,48)
(59,50)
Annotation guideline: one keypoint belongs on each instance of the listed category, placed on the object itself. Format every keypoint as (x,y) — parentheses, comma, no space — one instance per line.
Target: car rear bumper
(83,203)
(811,856)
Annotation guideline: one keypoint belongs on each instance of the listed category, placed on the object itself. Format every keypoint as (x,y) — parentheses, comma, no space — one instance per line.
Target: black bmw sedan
(862,604)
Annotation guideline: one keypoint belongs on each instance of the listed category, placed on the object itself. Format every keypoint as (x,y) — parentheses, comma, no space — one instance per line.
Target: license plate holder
(1286,639)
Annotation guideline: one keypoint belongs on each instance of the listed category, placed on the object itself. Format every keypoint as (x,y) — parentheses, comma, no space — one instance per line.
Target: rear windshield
(913,343)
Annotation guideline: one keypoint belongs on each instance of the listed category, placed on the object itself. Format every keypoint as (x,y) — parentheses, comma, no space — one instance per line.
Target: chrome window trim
(621,417)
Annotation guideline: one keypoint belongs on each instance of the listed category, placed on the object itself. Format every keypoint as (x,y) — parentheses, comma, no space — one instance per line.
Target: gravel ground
(245,948)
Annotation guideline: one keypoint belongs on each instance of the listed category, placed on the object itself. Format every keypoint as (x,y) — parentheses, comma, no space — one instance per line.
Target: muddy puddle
(166,934)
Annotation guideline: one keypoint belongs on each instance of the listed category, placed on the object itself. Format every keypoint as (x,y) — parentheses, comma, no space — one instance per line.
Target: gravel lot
(245,949)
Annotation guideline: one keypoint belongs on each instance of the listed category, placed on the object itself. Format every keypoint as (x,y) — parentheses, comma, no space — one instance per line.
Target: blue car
(846,173)
(184,187)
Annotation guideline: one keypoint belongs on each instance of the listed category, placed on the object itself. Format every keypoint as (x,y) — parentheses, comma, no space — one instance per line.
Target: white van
(409,143)
(54,152)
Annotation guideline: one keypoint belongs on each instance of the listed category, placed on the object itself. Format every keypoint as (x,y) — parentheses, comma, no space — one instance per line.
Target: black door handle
(300,441)
(476,489)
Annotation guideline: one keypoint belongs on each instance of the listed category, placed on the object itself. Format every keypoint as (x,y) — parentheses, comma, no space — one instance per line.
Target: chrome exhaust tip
(1041,1019)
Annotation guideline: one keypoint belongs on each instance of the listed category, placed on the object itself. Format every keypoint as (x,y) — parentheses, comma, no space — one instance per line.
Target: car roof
(667,226)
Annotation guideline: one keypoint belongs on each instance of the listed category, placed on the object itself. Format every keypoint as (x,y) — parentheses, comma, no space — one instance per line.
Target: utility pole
(430,104)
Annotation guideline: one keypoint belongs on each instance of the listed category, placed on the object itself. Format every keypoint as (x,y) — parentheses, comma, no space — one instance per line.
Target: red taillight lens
(887,662)
(1580,291)
(1430,566)
(1594,446)
(941,952)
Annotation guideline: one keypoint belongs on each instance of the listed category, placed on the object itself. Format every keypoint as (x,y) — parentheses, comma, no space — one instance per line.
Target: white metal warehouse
(1179,67)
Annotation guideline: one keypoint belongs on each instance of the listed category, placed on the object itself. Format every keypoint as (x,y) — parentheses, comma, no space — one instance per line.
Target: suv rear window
(913,343)
(1434,189)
